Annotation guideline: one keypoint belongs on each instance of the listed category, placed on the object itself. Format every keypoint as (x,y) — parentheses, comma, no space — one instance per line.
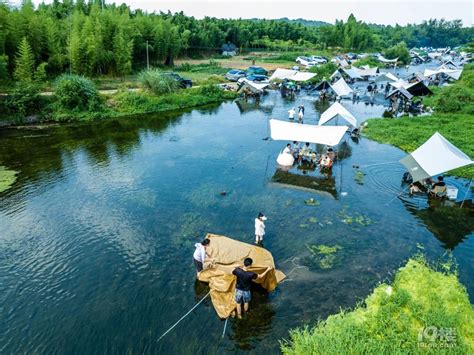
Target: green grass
(143,102)
(408,133)
(390,320)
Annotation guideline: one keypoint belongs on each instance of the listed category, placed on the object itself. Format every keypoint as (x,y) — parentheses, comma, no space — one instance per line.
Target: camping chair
(439,191)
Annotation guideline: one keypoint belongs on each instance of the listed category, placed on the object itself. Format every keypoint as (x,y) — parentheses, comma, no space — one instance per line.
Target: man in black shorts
(244,283)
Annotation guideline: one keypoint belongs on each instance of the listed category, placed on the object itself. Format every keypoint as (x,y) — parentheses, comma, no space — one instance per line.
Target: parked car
(256,78)
(183,83)
(235,74)
(305,61)
(256,70)
(317,59)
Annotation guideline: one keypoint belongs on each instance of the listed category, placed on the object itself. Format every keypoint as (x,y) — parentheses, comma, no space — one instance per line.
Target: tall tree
(24,63)
(122,53)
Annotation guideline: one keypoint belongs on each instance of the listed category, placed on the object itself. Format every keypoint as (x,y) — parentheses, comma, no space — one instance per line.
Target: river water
(97,234)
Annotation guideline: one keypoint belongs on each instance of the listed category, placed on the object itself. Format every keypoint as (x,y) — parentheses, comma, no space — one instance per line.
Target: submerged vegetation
(323,256)
(7,178)
(453,118)
(424,309)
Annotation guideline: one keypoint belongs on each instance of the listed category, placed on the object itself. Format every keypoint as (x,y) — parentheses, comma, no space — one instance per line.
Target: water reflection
(321,184)
(448,222)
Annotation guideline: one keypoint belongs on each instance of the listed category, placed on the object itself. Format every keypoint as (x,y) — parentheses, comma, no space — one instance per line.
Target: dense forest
(92,38)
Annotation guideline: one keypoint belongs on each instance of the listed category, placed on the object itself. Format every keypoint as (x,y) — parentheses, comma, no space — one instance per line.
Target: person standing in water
(291,114)
(259,227)
(200,254)
(244,284)
(300,114)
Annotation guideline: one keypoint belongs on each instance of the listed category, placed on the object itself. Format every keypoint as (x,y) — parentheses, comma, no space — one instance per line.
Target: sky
(373,11)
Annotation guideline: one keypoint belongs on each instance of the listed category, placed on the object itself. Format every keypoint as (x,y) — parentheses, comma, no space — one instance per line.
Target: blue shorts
(242,296)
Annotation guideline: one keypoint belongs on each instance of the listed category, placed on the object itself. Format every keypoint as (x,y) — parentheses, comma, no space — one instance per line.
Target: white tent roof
(452,73)
(337,110)
(288,131)
(291,75)
(436,156)
(341,88)
(385,60)
(282,74)
(366,70)
(386,77)
(254,86)
(303,76)
(353,73)
(400,83)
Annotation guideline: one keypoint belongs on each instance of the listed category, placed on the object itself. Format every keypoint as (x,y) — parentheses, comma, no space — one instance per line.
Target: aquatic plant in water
(313,220)
(324,255)
(359,177)
(312,202)
(7,178)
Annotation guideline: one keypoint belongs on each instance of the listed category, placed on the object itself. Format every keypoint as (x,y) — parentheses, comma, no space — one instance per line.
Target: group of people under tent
(305,154)
(292,112)
(434,189)
(244,276)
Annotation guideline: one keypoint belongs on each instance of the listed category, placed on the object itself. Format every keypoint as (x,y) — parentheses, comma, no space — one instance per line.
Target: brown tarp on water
(227,252)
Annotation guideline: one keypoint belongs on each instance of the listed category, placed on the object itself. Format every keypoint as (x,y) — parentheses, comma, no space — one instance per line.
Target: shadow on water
(320,184)
(448,222)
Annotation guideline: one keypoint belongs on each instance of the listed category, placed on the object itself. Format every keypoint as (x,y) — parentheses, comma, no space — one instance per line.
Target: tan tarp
(226,252)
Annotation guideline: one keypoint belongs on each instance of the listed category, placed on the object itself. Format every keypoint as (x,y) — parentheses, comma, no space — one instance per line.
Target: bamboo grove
(95,39)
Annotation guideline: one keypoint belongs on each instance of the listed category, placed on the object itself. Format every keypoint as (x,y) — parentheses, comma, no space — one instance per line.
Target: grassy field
(267,60)
(412,316)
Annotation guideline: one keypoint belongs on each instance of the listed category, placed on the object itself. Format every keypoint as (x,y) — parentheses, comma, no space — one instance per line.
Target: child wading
(259,227)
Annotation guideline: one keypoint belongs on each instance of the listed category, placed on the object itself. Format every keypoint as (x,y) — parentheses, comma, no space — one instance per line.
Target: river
(97,234)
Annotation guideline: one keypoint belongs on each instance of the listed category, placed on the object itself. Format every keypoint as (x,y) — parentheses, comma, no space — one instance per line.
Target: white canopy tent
(400,83)
(341,88)
(436,156)
(288,131)
(290,74)
(337,110)
(385,77)
(452,73)
(252,86)
(385,60)
(367,71)
(353,73)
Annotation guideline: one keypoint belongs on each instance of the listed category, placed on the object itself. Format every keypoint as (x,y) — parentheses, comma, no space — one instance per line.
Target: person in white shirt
(287,149)
(291,113)
(300,114)
(259,227)
(200,254)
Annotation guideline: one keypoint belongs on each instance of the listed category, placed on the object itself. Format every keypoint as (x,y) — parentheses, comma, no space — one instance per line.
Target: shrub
(210,90)
(76,93)
(454,99)
(159,84)
(399,51)
(24,100)
(323,71)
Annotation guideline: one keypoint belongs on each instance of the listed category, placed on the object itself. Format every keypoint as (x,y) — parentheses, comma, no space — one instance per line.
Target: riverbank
(124,102)
(408,133)
(453,118)
(424,308)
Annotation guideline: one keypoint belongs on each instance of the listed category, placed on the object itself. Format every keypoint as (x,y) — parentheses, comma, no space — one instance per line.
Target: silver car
(235,74)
